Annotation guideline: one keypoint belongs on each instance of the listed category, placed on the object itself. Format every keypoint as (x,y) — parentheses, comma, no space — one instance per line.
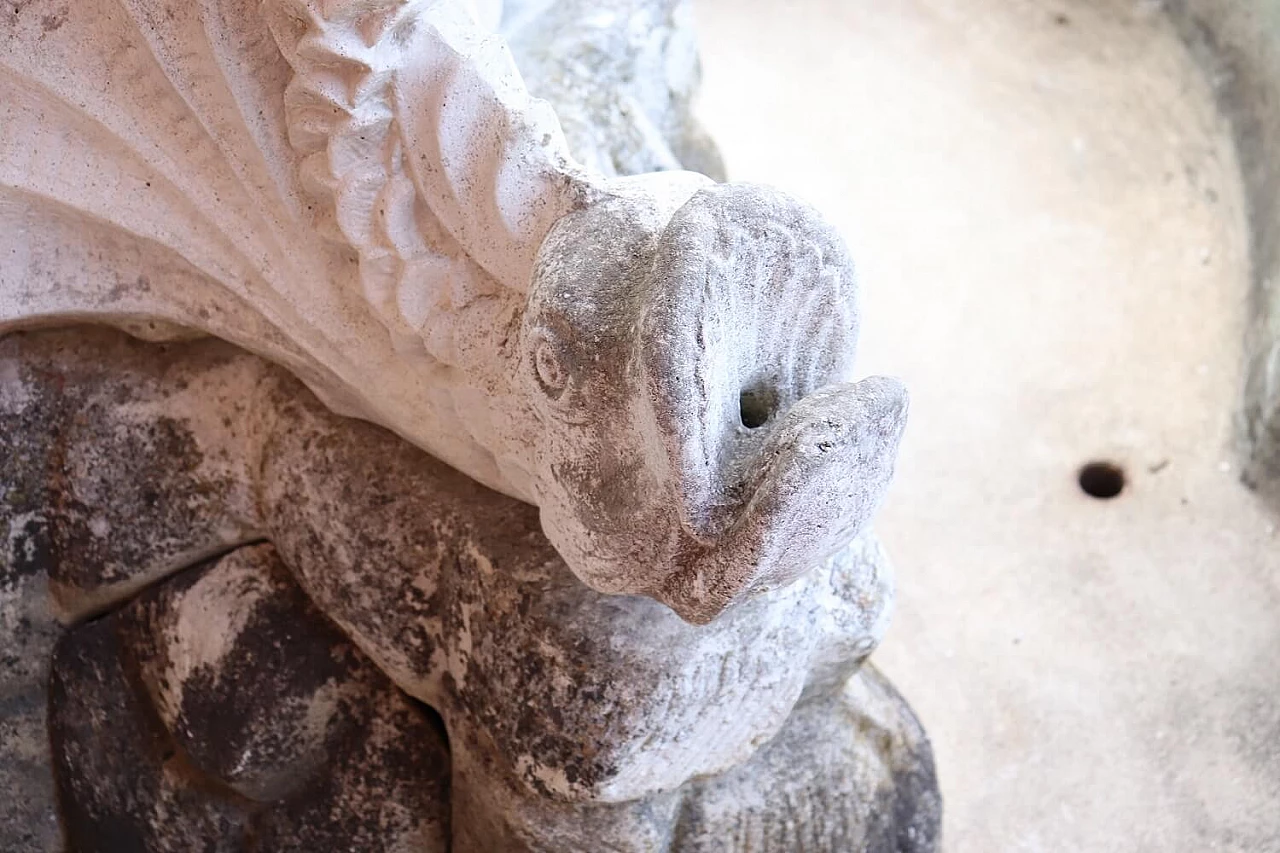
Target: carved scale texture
(351,60)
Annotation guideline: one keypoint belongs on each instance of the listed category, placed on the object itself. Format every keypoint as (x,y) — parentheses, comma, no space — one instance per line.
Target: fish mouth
(746,349)
(815,482)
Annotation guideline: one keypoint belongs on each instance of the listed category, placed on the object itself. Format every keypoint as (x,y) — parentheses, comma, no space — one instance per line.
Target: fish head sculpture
(699,438)
(378,203)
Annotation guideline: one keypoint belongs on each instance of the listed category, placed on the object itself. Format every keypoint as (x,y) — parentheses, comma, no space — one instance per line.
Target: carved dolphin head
(699,439)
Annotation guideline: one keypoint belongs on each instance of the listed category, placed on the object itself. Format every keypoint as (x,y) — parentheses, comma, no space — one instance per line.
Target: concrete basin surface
(1060,211)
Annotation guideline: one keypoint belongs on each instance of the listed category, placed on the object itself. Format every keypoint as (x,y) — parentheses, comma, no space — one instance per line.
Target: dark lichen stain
(247,713)
(907,815)
(110,759)
(332,489)
(115,495)
(54,22)
(117,763)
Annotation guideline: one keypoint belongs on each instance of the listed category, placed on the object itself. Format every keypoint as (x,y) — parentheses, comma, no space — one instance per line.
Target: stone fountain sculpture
(636,587)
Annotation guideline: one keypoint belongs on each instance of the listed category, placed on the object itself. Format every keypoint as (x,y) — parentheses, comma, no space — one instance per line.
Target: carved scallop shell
(353,189)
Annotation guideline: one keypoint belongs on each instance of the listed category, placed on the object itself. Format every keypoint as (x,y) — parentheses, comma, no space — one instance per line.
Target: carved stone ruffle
(367,194)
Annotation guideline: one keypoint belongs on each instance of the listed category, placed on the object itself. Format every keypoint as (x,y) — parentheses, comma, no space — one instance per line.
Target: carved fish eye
(552,375)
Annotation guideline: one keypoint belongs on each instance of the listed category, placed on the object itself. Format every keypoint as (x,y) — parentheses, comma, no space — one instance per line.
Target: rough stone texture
(661,366)
(817,787)
(121,783)
(621,75)
(145,461)
(367,194)
(102,491)
(28,630)
(1238,45)
(272,733)
(758,445)
(474,615)
(577,720)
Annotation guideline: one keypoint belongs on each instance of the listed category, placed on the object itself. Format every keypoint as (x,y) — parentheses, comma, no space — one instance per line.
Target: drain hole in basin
(1102,480)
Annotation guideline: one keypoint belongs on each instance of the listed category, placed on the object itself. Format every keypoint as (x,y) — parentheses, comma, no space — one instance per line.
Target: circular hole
(755,407)
(1102,480)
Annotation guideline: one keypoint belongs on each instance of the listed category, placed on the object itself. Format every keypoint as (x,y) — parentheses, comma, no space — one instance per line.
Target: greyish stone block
(574,718)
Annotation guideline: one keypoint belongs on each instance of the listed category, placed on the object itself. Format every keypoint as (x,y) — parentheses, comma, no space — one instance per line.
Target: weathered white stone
(659,365)
(367,194)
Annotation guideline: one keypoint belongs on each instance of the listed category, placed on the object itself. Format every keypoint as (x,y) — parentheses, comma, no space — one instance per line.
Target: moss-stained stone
(142,460)
(253,701)
(273,734)
(28,629)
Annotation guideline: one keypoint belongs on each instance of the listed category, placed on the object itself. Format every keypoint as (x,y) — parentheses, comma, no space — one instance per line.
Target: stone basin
(1066,219)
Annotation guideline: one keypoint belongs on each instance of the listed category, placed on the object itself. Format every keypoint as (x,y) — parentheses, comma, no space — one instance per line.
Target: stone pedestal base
(284,695)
